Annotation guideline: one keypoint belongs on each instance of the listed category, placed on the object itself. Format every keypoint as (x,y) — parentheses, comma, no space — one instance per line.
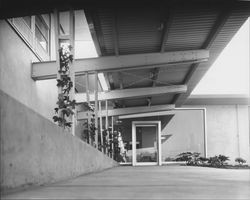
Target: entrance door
(146,145)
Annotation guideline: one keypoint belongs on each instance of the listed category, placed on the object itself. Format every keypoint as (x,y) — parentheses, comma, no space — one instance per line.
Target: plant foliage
(240,160)
(65,105)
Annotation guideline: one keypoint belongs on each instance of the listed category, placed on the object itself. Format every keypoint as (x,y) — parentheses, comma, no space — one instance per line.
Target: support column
(106,126)
(96,109)
(112,130)
(70,41)
(87,97)
(101,129)
(72,71)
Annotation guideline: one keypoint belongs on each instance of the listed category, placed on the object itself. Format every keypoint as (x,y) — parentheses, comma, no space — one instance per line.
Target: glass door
(145,139)
(146,144)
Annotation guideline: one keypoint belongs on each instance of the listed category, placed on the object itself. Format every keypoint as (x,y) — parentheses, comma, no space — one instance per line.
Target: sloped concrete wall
(35,151)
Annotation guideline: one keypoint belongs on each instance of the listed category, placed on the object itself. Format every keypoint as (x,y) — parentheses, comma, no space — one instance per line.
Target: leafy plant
(191,158)
(186,156)
(65,106)
(89,135)
(218,161)
(240,160)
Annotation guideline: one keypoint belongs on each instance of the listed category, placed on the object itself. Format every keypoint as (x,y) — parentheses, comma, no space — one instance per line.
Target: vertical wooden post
(57,46)
(112,129)
(87,97)
(106,126)
(72,71)
(96,109)
(101,129)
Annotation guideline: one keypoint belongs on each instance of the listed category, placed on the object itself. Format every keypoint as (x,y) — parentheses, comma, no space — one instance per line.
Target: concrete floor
(148,182)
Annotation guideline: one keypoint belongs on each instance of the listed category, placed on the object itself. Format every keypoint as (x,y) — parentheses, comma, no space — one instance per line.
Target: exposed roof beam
(111,81)
(115,34)
(151,114)
(154,77)
(135,92)
(120,79)
(155,74)
(47,70)
(128,111)
(166,27)
(93,32)
(107,80)
(215,30)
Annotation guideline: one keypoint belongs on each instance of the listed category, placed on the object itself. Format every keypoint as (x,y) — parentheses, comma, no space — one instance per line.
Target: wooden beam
(154,77)
(215,30)
(95,35)
(48,70)
(129,111)
(166,26)
(115,33)
(111,81)
(134,92)
(152,114)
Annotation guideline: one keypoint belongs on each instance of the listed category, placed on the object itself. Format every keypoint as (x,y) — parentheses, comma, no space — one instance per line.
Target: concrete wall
(35,151)
(15,74)
(186,133)
(228,131)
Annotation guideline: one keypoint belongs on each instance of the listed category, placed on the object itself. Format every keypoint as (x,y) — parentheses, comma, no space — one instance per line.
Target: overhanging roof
(125,28)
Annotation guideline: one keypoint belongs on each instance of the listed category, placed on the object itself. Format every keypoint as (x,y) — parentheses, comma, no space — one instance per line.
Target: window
(42,32)
(35,32)
(27,20)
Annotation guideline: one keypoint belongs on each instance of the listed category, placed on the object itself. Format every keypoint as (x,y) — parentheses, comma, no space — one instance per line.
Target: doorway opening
(146,143)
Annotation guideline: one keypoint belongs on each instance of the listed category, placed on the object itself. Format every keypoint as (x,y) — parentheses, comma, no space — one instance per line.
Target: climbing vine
(89,131)
(65,105)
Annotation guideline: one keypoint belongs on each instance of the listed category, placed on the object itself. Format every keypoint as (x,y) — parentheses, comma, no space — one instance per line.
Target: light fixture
(103,82)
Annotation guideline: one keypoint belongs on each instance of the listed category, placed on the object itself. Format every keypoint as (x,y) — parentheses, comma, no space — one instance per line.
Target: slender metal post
(72,71)
(87,97)
(57,46)
(112,129)
(101,129)
(106,126)
(96,109)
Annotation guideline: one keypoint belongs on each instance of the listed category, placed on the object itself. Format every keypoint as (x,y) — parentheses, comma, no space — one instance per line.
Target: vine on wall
(65,105)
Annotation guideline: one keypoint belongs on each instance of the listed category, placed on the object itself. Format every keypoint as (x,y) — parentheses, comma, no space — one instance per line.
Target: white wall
(187,133)
(15,74)
(228,131)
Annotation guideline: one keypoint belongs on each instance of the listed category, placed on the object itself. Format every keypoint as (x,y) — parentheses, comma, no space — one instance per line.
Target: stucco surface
(228,131)
(35,151)
(15,74)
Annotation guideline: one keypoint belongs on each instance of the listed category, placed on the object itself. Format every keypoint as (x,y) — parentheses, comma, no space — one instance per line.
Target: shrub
(217,161)
(190,158)
(240,160)
(167,159)
(203,160)
(186,156)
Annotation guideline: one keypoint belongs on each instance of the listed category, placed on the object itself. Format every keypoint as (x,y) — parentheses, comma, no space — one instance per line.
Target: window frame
(36,27)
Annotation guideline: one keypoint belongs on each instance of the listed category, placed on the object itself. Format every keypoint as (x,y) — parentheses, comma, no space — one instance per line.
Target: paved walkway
(148,182)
